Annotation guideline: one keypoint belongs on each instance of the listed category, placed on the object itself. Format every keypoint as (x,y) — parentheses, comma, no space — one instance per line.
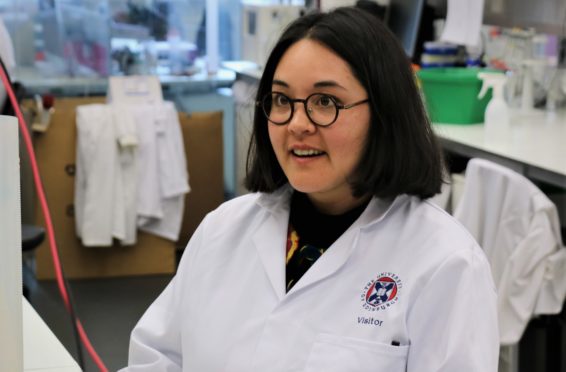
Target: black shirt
(310,234)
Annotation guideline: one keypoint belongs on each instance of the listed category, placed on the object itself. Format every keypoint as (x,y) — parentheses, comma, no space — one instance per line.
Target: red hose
(48,223)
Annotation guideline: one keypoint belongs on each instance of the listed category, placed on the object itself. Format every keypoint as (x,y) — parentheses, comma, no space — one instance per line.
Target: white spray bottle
(496,118)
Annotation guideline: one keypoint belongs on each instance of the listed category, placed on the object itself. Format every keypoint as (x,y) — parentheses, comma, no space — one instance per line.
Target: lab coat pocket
(331,353)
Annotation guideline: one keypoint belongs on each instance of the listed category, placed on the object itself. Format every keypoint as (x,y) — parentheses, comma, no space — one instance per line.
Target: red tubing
(48,223)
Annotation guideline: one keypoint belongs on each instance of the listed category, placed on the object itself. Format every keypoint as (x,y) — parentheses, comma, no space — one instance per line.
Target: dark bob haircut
(401,154)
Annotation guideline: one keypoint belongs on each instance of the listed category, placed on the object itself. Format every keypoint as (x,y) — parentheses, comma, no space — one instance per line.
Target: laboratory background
(139,114)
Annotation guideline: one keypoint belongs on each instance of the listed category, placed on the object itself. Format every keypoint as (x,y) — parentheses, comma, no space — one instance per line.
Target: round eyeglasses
(322,109)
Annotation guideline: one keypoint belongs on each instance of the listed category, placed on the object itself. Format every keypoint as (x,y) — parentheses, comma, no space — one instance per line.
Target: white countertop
(535,142)
(43,352)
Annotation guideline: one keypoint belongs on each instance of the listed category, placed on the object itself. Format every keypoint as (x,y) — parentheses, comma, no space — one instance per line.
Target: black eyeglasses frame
(304,101)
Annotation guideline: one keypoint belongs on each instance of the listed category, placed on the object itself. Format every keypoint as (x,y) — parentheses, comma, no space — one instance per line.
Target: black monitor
(404,19)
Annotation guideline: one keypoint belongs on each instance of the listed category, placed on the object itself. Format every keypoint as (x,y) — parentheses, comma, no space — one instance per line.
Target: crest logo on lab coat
(382,292)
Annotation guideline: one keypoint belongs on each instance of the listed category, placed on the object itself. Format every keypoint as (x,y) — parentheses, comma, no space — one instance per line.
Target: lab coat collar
(377,209)
(277,201)
(270,239)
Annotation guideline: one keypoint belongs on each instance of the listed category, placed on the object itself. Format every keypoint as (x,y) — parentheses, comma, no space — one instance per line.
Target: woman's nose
(300,122)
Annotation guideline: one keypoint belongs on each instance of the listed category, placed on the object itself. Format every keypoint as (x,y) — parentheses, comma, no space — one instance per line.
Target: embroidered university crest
(381,293)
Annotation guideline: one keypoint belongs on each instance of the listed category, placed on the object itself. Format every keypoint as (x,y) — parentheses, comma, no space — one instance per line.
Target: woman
(336,262)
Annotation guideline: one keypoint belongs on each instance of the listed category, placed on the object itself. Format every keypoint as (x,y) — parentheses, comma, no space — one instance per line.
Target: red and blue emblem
(381,293)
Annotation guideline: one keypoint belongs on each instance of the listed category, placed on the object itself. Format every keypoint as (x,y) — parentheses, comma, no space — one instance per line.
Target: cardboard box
(202,135)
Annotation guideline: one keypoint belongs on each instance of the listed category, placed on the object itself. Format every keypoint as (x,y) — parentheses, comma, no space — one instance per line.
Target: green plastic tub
(451,95)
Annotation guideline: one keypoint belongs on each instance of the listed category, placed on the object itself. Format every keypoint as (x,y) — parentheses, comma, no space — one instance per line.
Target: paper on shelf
(463,22)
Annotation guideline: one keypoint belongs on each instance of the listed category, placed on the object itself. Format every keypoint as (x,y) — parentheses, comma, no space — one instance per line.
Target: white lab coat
(105,179)
(131,172)
(162,175)
(227,310)
(518,228)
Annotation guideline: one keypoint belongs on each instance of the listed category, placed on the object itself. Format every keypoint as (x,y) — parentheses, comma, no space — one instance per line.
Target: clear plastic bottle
(496,119)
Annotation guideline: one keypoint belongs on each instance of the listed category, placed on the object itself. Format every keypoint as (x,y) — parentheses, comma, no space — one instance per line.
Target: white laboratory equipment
(262,25)
(496,118)
(11,336)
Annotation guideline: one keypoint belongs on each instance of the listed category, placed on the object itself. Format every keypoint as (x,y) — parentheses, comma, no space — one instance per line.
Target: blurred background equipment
(261,26)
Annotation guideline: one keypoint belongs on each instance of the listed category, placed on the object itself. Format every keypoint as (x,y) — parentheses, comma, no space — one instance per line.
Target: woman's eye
(280,100)
(324,101)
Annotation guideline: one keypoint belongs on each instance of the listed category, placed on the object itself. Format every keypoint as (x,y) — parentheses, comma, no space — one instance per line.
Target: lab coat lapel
(270,238)
(330,261)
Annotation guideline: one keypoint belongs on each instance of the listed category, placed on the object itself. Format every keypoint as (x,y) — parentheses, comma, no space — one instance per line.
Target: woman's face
(319,160)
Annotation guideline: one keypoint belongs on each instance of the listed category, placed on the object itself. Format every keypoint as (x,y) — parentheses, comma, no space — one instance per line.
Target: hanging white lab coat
(517,226)
(105,185)
(131,172)
(404,272)
(163,179)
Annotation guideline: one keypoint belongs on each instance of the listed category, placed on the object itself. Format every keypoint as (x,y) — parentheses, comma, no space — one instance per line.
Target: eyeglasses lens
(321,109)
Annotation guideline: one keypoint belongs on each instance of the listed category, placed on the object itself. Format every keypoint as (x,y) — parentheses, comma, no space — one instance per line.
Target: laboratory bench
(535,144)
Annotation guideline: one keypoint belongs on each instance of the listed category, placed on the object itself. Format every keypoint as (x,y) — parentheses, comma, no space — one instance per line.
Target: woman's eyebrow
(328,84)
(280,83)
(319,84)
